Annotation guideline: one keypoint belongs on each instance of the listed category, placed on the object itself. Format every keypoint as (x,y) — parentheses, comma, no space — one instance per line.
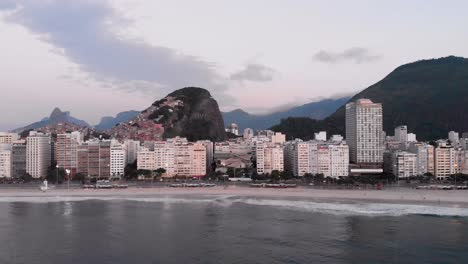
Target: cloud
(356,55)
(254,73)
(82,31)
(7,4)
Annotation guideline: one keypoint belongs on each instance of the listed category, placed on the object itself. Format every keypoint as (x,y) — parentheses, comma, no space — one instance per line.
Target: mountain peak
(191,91)
(429,96)
(189,112)
(58,116)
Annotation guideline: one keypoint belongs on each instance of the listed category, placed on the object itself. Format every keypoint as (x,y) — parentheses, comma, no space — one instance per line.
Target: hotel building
(364,136)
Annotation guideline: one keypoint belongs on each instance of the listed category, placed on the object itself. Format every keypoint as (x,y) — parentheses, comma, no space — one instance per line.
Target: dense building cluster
(366,150)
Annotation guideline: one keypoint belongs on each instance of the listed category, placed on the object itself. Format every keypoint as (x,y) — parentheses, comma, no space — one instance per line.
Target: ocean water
(223,229)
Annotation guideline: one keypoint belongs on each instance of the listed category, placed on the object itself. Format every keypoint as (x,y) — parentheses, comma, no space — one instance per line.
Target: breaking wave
(335,208)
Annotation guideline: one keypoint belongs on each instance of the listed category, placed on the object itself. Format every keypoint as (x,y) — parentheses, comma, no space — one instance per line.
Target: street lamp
(68,177)
(57,166)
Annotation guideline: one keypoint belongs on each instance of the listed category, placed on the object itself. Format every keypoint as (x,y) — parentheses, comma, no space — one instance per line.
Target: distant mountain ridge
(316,110)
(109,122)
(429,96)
(56,117)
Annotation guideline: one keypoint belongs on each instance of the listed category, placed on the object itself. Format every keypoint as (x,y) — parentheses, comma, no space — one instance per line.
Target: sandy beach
(452,198)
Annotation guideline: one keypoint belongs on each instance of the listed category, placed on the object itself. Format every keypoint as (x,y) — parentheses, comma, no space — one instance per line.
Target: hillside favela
(172,132)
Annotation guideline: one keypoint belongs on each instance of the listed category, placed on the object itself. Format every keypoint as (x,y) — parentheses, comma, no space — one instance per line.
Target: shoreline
(451,198)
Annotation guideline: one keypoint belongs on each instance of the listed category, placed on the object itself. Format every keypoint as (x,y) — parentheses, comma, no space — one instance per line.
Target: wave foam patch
(368,209)
(335,208)
(58,199)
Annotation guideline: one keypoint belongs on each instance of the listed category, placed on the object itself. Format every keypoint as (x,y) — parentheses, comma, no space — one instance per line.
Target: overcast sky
(97,58)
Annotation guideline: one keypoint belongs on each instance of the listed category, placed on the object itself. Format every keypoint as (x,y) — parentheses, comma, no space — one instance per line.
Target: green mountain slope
(429,96)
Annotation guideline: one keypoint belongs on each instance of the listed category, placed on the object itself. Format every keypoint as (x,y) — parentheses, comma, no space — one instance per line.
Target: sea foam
(335,208)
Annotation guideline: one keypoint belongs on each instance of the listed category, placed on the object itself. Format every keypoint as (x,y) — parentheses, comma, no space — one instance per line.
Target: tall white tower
(364,132)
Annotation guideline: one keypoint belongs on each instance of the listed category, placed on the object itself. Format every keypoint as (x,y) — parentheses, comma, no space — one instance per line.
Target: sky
(96,58)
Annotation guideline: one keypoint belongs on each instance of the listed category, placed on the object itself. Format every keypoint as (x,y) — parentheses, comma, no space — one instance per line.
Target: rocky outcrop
(189,112)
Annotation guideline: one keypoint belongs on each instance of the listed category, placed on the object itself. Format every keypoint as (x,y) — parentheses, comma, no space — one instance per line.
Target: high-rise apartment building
(177,156)
(164,157)
(5,161)
(132,147)
(445,162)
(18,160)
(248,133)
(339,160)
(297,157)
(38,154)
(402,164)
(94,159)
(317,157)
(146,159)
(278,138)
(364,135)
(401,134)
(454,137)
(270,157)
(118,159)
(424,157)
(66,147)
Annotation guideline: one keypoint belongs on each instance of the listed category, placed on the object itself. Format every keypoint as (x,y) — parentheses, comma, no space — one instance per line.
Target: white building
(321,136)
(270,157)
(248,133)
(364,133)
(401,134)
(424,157)
(164,155)
(5,160)
(297,157)
(336,138)
(278,138)
(190,160)
(454,138)
(118,159)
(38,154)
(146,159)
(233,128)
(411,137)
(339,160)
(402,164)
(445,162)
(8,138)
(177,156)
(317,157)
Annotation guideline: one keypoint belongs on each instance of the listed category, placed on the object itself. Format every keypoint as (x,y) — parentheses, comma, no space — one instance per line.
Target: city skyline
(128,54)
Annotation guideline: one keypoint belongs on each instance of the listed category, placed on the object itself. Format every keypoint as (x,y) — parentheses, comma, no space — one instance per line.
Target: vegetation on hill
(429,96)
